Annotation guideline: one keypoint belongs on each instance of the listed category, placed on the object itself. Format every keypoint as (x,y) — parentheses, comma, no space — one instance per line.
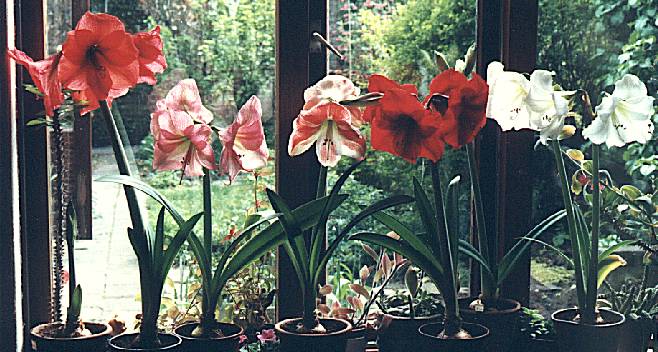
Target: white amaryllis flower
(507,98)
(624,116)
(548,107)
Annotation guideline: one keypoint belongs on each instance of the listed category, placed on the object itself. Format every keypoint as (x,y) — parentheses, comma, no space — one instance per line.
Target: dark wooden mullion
(516,149)
(81,172)
(34,164)
(296,69)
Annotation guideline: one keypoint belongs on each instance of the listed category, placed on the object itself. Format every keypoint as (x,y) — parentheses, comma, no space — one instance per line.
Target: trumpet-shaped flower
(99,57)
(151,60)
(244,141)
(328,124)
(185,97)
(464,114)
(624,116)
(548,107)
(507,98)
(44,76)
(406,129)
(380,84)
(179,143)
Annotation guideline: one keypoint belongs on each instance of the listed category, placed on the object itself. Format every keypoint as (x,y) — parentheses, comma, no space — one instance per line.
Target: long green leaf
(426,211)
(511,258)
(158,246)
(608,265)
(615,247)
(452,219)
(555,249)
(470,251)
(175,244)
(404,232)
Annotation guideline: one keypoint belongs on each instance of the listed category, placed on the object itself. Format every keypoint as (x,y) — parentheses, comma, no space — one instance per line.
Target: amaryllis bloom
(507,98)
(185,97)
(624,116)
(267,335)
(99,57)
(406,129)
(380,84)
(328,124)
(44,76)
(179,143)
(462,104)
(333,88)
(244,143)
(548,107)
(151,60)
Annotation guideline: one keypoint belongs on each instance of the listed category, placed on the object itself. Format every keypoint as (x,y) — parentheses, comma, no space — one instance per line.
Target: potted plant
(403,126)
(333,127)
(639,304)
(621,118)
(73,335)
(537,333)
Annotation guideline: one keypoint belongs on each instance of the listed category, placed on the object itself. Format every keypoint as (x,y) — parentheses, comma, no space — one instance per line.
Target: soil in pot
(479,338)
(635,335)
(502,322)
(124,343)
(402,335)
(334,340)
(226,338)
(575,337)
(43,338)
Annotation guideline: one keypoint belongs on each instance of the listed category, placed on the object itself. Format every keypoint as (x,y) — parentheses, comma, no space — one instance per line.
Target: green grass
(550,274)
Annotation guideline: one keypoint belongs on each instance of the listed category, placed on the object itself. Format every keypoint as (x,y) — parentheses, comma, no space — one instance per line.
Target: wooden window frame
(510,35)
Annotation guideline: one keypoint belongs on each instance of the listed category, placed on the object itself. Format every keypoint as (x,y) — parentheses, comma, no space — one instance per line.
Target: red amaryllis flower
(179,143)
(406,129)
(44,76)
(99,57)
(464,113)
(244,141)
(380,84)
(151,60)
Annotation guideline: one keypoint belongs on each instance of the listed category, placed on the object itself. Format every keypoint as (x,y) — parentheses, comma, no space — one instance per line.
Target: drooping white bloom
(507,98)
(624,116)
(548,107)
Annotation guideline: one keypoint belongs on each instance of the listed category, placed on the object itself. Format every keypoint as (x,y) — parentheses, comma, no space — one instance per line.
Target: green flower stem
(122,163)
(207,310)
(452,316)
(571,221)
(589,314)
(322,182)
(489,287)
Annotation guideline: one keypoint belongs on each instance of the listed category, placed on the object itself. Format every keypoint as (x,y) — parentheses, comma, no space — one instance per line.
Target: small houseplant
(639,304)
(621,118)
(73,335)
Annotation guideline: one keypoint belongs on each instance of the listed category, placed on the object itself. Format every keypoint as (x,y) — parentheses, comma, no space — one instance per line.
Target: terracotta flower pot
(230,342)
(503,323)
(478,342)
(333,341)
(122,343)
(402,335)
(635,335)
(575,337)
(97,341)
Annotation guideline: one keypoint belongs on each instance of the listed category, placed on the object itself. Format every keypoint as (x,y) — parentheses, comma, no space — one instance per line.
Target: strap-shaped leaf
(470,251)
(452,218)
(158,246)
(175,245)
(404,232)
(551,247)
(512,257)
(614,248)
(370,210)
(424,263)
(584,241)
(319,231)
(426,211)
(608,265)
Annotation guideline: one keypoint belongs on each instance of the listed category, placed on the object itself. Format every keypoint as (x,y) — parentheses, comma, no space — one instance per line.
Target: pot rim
(486,331)
(427,317)
(119,348)
(279,328)
(229,337)
(515,303)
(571,322)
(106,332)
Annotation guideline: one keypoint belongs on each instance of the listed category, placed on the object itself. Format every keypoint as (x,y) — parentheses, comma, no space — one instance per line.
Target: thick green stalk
(452,316)
(309,319)
(589,314)
(322,182)
(124,168)
(489,287)
(571,221)
(207,307)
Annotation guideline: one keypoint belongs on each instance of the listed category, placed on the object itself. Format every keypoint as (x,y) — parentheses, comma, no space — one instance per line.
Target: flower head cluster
(99,61)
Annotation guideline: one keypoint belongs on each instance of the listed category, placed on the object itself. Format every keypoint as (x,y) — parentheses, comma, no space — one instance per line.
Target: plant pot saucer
(97,341)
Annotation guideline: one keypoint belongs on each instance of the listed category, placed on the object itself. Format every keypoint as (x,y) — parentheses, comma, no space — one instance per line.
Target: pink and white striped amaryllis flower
(244,143)
(624,116)
(185,97)
(331,126)
(180,143)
